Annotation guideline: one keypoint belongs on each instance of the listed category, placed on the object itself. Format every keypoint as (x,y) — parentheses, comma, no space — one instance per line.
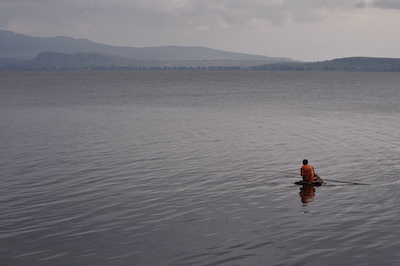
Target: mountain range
(20,46)
(22,52)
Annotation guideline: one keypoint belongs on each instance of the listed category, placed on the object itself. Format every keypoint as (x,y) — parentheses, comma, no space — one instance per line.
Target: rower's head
(305,161)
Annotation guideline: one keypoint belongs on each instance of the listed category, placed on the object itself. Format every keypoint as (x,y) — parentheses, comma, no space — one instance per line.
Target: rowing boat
(317,182)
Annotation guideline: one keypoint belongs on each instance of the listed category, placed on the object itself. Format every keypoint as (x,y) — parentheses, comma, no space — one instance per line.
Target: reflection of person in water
(307,193)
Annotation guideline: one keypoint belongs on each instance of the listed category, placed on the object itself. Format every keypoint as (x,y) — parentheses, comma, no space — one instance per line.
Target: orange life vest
(308,172)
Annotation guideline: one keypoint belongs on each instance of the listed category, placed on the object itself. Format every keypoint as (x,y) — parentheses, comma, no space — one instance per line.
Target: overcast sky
(308,30)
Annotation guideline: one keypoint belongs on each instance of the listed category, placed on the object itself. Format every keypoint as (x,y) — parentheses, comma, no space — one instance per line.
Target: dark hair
(305,161)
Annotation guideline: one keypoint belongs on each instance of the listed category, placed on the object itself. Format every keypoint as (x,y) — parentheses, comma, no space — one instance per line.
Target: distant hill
(359,64)
(15,45)
(22,52)
(340,64)
(82,59)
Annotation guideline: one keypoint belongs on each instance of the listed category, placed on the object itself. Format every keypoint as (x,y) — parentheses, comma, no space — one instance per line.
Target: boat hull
(317,182)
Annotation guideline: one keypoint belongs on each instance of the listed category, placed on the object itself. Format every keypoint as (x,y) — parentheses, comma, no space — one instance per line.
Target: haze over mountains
(22,52)
(15,45)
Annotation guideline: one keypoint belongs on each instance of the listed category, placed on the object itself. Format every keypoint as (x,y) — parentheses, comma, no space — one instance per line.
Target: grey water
(198,168)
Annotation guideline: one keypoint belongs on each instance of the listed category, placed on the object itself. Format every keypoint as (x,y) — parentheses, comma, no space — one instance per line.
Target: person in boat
(307,172)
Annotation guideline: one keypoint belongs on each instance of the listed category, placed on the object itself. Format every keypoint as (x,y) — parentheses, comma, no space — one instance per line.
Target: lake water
(198,168)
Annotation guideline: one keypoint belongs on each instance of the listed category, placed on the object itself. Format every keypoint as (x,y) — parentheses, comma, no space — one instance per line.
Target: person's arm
(315,173)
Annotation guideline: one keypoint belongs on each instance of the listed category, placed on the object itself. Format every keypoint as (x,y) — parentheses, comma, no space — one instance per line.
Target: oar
(324,179)
(345,182)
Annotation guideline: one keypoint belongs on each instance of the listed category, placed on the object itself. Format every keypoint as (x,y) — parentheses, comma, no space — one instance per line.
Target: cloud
(252,26)
(386,4)
(361,4)
(383,4)
(212,14)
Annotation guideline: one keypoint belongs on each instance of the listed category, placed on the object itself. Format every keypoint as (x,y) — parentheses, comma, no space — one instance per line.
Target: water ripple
(187,174)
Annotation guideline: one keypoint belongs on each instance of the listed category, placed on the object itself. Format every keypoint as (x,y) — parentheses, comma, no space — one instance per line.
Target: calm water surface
(197,168)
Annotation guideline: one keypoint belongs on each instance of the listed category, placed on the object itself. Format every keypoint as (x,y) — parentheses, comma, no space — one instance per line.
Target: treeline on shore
(185,68)
(344,64)
(112,68)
